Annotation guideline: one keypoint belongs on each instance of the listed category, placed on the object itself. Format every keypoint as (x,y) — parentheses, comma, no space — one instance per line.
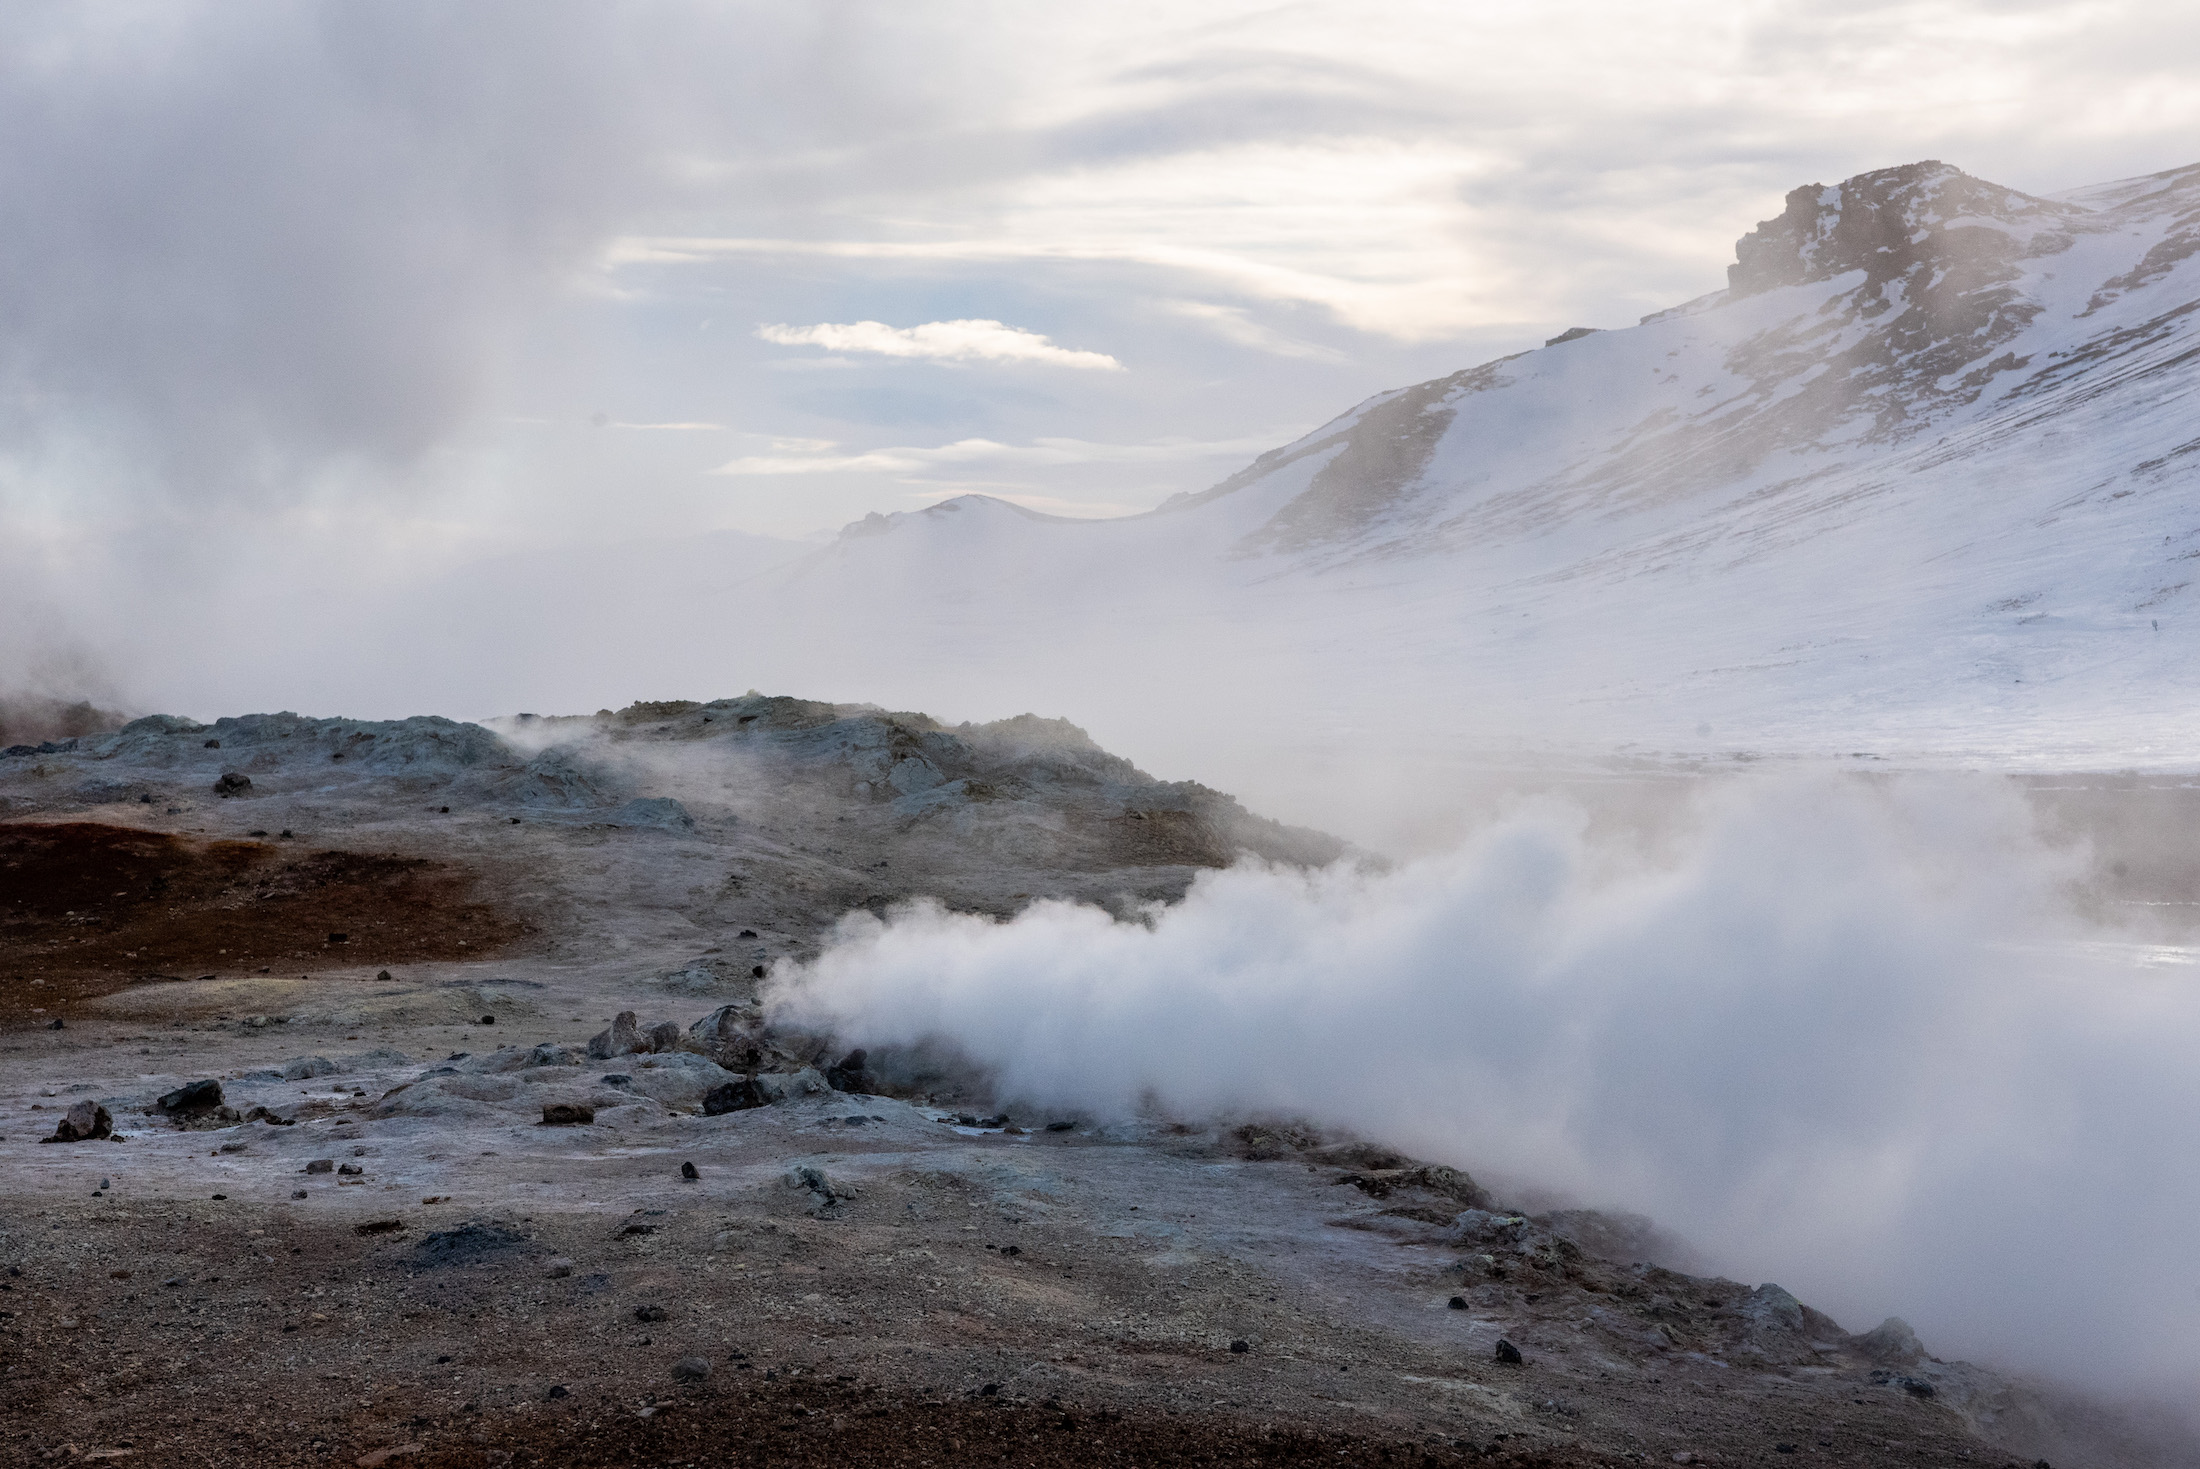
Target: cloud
(1045,451)
(941,341)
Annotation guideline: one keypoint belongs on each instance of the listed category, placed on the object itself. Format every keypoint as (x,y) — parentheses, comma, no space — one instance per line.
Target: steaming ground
(1831,1033)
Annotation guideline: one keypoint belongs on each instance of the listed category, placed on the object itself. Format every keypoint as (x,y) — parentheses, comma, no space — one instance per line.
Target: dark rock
(1241,1347)
(197,1096)
(213,745)
(378,1226)
(737,1095)
(561,1390)
(55,1025)
(321,1165)
(651,1313)
(468,1244)
(1457,1303)
(299,1193)
(350,1170)
(339,938)
(637,1229)
(232,784)
(1571,334)
(663,1036)
(84,1121)
(691,1369)
(689,1171)
(746,933)
(849,1075)
(1508,1353)
(757,972)
(488,1020)
(1916,1387)
(567,1114)
(383,975)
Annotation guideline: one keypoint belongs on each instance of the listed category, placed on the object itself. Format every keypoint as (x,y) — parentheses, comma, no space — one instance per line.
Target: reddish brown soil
(90,909)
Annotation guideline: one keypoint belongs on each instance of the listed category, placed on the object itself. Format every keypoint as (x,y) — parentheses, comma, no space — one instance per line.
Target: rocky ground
(402,949)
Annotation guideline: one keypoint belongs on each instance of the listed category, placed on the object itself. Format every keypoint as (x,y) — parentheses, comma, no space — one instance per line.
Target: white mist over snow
(1838,1034)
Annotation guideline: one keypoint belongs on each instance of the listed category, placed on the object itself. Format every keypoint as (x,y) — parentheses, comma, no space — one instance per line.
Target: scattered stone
(689,1172)
(561,1390)
(299,1193)
(350,1170)
(1061,1127)
(1508,1353)
(382,975)
(488,1020)
(746,933)
(234,1148)
(651,1313)
(691,1369)
(197,1096)
(321,1165)
(83,1122)
(557,1269)
(56,1024)
(1456,1303)
(1240,1347)
(379,1226)
(567,1114)
(232,783)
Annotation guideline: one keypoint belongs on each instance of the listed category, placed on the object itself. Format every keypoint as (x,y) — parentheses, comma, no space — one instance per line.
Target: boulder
(83,1122)
(624,1038)
(307,1067)
(1891,1344)
(849,1073)
(232,783)
(825,1190)
(663,1036)
(192,1097)
(567,1114)
(737,1095)
(782,1086)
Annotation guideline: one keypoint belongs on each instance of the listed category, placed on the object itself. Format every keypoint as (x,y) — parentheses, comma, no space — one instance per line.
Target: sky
(307,297)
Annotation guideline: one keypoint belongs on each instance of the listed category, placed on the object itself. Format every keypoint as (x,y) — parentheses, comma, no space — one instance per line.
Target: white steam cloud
(1828,1031)
(939,341)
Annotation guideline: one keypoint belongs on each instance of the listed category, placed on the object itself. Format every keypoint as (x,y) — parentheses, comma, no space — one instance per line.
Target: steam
(1835,1033)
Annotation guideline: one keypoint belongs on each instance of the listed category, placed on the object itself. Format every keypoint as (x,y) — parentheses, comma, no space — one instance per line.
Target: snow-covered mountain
(1922,482)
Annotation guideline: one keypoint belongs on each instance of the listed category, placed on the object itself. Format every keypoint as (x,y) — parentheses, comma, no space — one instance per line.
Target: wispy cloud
(940,341)
(1050,451)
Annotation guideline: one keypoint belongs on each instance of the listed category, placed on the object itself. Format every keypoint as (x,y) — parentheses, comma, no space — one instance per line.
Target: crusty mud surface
(380,1254)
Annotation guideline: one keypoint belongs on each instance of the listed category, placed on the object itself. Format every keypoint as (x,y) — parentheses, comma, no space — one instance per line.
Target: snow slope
(1920,483)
